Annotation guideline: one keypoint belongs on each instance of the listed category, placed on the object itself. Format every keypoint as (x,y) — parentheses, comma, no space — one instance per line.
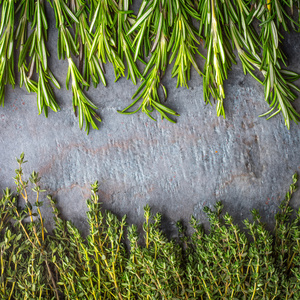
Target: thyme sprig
(224,262)
(27,279)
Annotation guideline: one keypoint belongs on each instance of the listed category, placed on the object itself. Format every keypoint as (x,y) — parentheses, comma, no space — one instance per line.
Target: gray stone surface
(245,161)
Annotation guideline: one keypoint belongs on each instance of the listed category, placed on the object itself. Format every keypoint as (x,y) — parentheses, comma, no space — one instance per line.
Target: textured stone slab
(245,161)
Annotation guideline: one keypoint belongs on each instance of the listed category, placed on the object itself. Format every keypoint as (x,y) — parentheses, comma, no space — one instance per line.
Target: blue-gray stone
(245,161)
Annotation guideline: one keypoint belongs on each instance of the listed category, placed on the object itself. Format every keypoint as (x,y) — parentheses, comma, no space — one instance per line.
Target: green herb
(239,16)
(125,42)
(153,24)
(224,262)
(35,46)
(163,32)
(214,18)
(277,82)
(93,68)
(65,47)
(7,74)
(26,9)
(184,41)
(103,24)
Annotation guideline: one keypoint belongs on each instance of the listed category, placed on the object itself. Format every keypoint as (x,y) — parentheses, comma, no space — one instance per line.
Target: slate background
(245,161)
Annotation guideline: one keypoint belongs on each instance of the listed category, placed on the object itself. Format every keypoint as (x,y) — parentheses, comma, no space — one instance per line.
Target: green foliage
(7,74)
(35,47)
(92,33)
(66,46)
(224,263)
(153,25)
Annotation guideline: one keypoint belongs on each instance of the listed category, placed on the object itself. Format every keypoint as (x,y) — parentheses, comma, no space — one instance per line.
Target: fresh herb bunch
(98,262)
(7,74)
(232,21)
(23,254)
(224,262)
(277,81)
(156,267)
(101,31)
(65,47)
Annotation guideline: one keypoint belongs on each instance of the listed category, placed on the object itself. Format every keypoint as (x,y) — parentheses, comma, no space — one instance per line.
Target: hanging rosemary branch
(108,31)
(153,24)
(277,88)
(184,41)
(250,59)
(35,47)
(93,67)
(26,9)
(125,42)
(277,82)
(7,75)
(65,46)
(244,37)
(104,16)
(214,18)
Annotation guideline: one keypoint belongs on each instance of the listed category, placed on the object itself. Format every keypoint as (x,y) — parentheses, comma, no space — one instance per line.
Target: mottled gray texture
(245,161)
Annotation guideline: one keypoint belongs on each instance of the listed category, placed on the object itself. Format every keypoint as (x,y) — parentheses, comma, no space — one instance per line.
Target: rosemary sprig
(214,18)
(7,75)
(277,82)
(244,36)
(26,9)
(153,24)
(277,86)
(93,67)
(125,42)
(103,30)
(35,47)
(184,41)
(65,46)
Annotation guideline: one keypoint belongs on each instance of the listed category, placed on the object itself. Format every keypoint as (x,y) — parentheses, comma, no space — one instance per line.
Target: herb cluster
(94,32)
(115,262)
